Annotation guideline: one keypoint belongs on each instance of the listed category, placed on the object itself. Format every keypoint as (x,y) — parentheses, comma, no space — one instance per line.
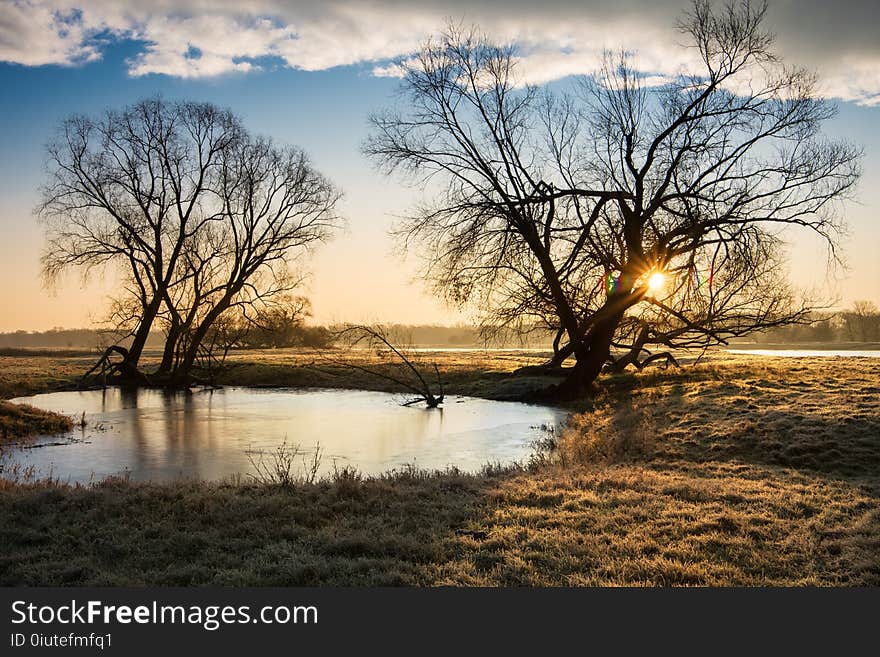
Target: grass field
(736,471)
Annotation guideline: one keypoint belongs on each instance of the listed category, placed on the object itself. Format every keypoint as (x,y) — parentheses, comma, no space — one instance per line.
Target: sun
(656,282)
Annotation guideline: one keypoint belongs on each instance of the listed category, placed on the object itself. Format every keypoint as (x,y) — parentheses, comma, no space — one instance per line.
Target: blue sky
(324,112)
(316,89)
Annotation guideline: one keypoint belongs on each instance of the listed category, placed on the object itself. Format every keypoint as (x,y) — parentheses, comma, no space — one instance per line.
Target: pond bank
(165,435)
(22,421)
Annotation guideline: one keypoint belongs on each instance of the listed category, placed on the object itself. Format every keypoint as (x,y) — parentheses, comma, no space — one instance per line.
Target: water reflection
(160,435)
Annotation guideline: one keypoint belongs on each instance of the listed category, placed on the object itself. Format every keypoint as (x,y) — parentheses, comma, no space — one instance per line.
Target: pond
(160,436)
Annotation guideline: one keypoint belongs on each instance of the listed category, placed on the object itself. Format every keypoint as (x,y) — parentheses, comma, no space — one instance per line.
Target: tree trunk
(591,357)
(184,369)
(170,347)
(136,349)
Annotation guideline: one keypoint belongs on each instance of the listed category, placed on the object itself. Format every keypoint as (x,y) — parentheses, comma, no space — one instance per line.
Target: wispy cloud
(201,38)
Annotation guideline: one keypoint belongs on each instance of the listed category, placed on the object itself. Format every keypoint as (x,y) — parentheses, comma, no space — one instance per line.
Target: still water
(155,435)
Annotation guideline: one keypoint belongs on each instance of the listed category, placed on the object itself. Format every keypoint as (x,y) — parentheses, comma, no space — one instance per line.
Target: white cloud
(204,45)
(202,38)
(35,34)
(392,70)
(858,80)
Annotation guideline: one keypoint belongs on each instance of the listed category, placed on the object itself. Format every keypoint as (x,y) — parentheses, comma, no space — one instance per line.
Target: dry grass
(739,471)
(19,421)
(30,374)
(472,372)
(476,373)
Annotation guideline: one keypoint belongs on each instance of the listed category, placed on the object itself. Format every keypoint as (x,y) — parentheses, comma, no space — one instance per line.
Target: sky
(310,72)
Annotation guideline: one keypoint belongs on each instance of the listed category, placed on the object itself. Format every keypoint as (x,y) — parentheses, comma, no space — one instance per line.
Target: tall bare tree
(128,189)
(199,215)
(620,214)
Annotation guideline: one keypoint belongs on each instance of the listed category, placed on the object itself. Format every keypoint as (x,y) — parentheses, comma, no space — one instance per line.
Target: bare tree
(200,216)
(620,214)
(128,189)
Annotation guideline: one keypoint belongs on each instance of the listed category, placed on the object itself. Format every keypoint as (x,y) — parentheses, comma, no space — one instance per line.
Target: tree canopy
(622,213)
(198,214)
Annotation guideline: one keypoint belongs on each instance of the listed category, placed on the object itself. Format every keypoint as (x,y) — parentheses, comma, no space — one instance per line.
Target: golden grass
(21,421)
(31,374)
(739,471)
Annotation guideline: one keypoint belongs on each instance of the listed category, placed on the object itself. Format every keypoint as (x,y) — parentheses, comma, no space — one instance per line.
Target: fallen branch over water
(410,377)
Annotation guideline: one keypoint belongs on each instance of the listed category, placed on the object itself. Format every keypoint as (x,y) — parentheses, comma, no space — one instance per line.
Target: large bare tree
(199,215)
(128,189)
(619,213)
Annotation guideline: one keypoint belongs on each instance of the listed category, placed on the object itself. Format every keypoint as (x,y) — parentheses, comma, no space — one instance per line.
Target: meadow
(737,470)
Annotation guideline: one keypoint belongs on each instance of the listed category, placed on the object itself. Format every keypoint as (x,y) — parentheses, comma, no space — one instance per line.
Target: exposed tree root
(107,372)
(620,364)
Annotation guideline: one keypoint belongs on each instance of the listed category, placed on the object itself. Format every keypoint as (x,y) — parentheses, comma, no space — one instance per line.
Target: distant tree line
(275,327)
(284,326)
(860,323)
(270,327)
(55,338)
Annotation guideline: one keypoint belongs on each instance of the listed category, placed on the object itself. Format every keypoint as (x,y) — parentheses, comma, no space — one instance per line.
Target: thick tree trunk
(591,357)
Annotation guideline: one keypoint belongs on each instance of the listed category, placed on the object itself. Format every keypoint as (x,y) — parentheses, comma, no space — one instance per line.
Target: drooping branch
(410,377)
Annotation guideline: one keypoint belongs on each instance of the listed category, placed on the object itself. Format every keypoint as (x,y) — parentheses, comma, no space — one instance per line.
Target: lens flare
(656,282)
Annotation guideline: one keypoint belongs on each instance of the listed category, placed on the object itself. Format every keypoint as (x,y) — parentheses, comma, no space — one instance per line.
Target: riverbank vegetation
(22,420)
(626,227)
(736,471)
